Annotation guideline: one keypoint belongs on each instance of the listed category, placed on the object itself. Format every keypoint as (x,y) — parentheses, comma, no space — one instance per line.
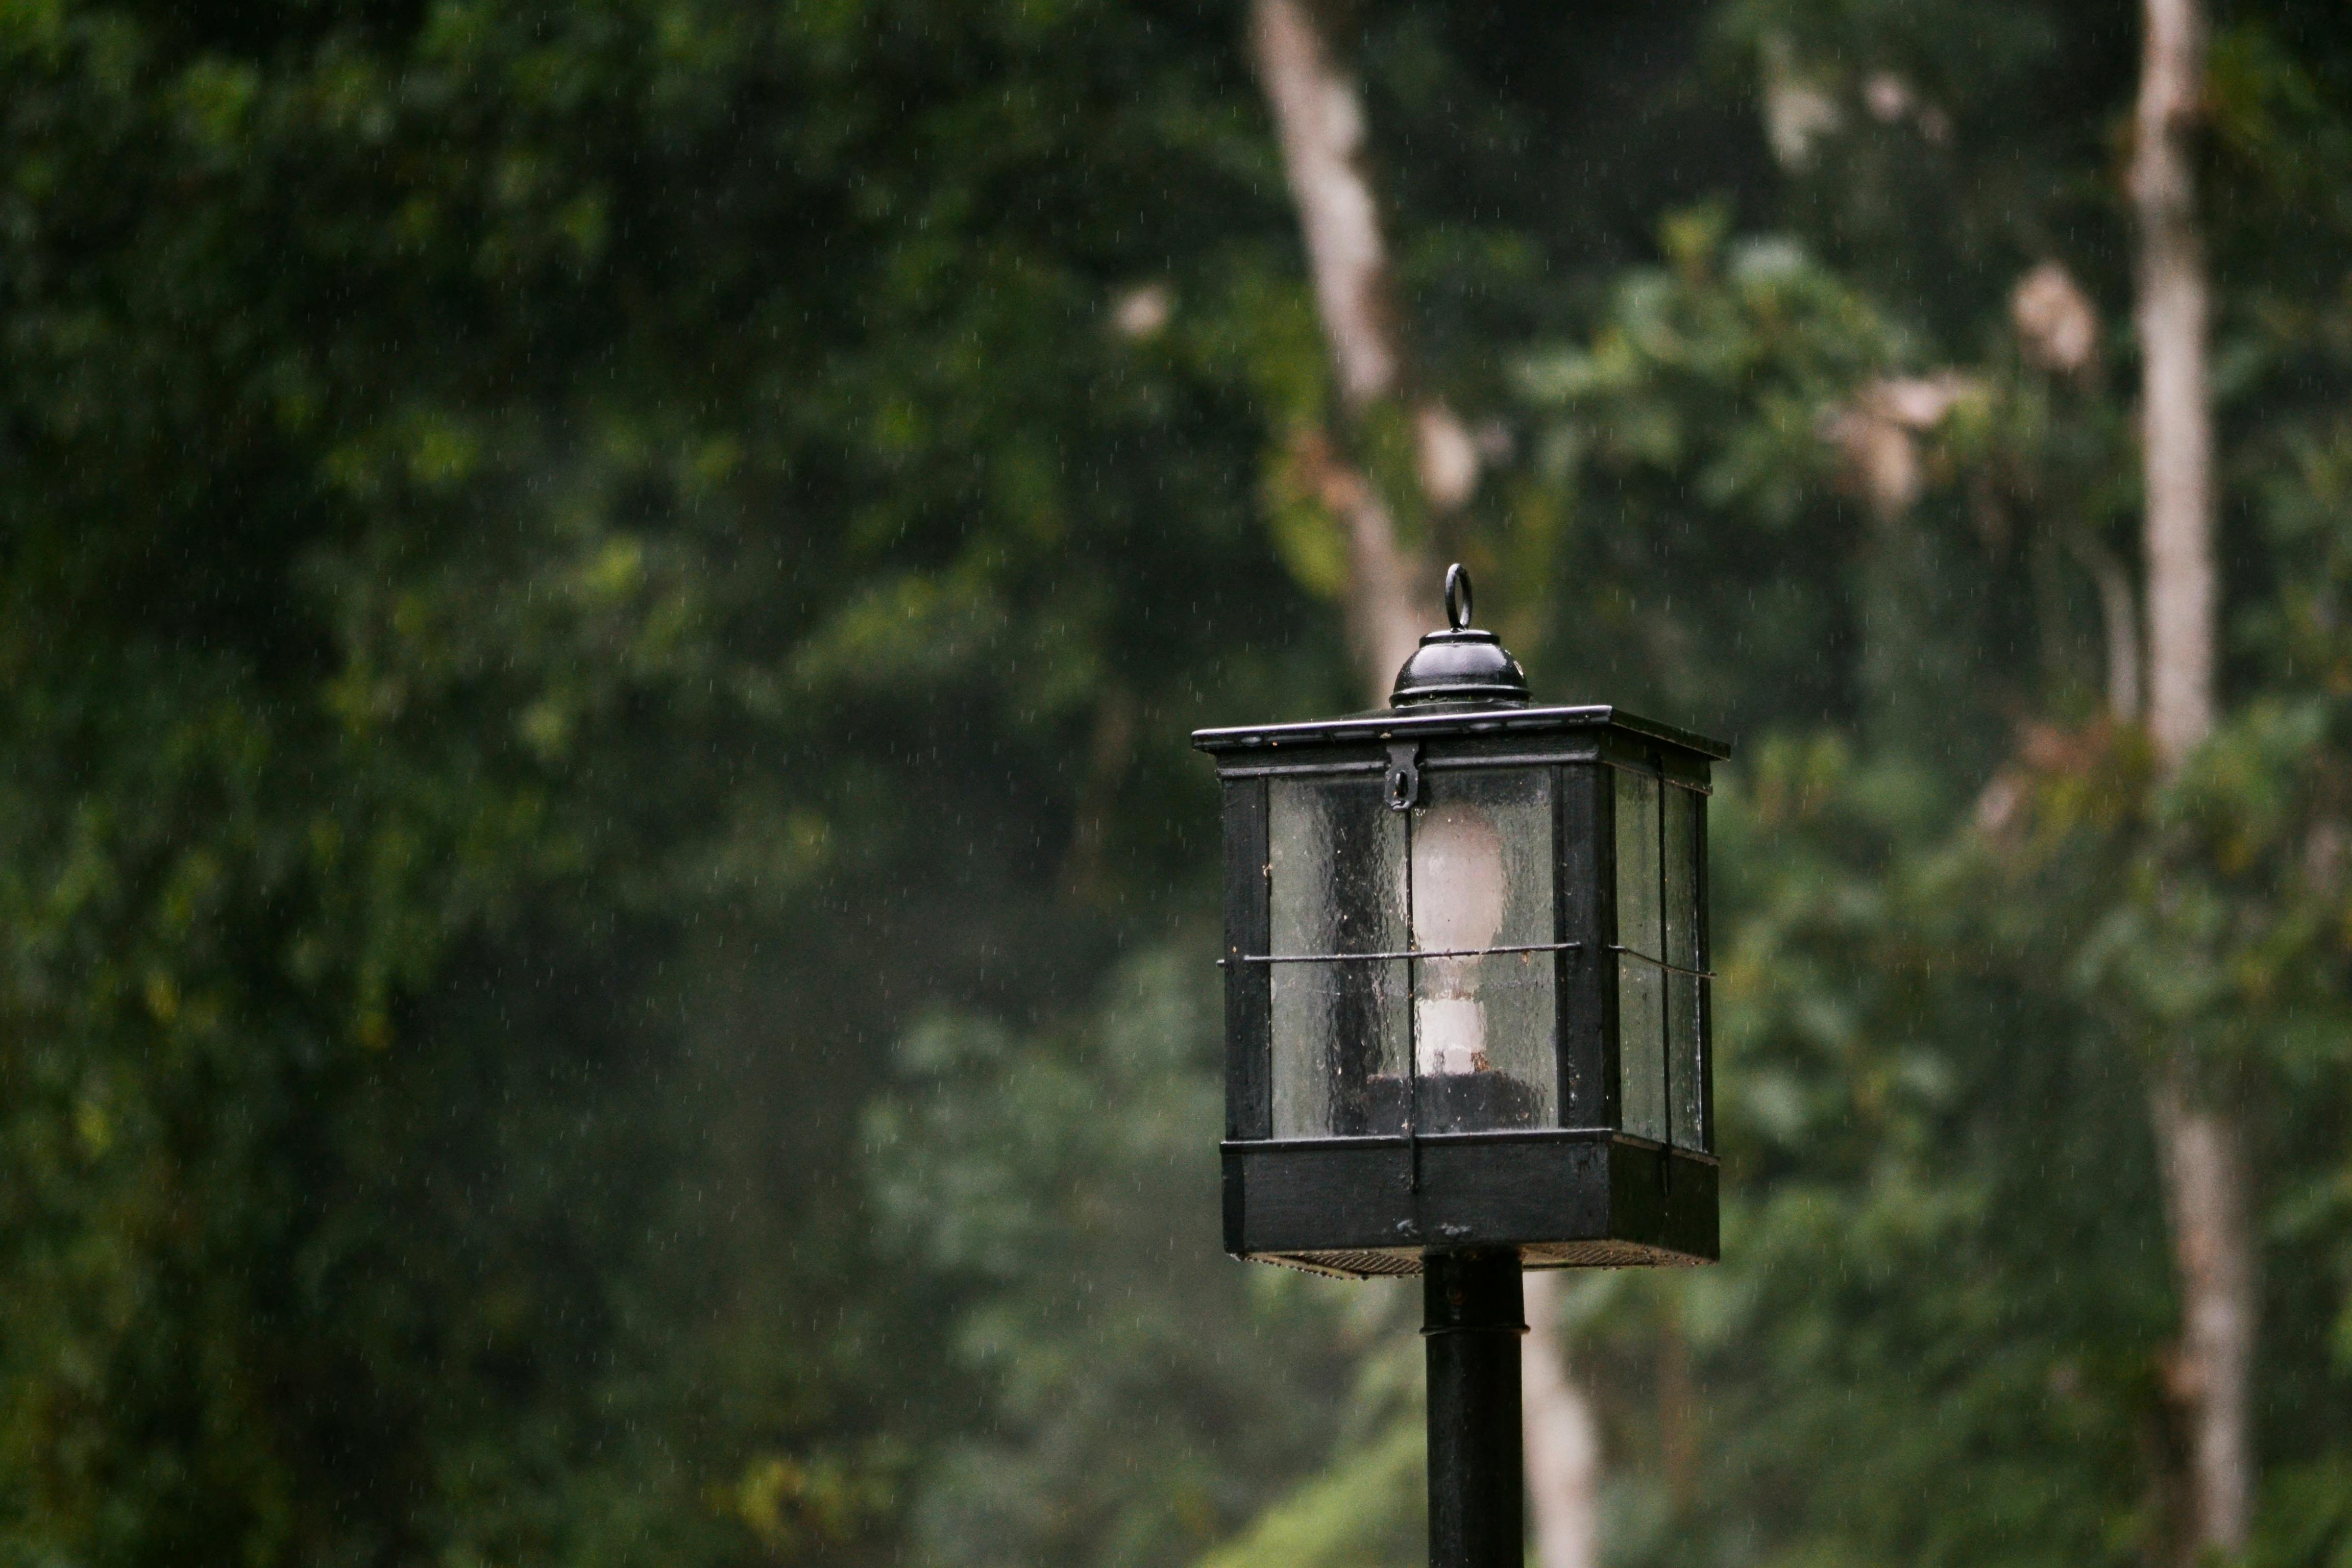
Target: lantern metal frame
(1585,1193)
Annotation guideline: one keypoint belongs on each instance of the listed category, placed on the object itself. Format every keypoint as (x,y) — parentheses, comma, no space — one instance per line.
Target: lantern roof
(1447,719)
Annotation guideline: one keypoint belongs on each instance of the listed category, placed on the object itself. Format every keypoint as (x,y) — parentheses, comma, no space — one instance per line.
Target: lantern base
(1404,1262)
(1364,1207)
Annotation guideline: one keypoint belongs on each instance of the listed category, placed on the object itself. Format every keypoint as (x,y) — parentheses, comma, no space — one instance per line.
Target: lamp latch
(1404,775)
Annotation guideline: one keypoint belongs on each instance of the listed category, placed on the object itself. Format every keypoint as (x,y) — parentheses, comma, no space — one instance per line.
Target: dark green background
(603,949)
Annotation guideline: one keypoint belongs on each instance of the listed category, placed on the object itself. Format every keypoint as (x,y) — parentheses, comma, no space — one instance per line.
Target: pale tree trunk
(2177,428)
(1319,116)
(2199,1143)
(2119,616)
(1563,1444)
(1385,617)
(1319,119)
(2210,1376)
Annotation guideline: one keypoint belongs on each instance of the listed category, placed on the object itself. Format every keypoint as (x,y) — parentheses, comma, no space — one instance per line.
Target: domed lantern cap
(1459,664)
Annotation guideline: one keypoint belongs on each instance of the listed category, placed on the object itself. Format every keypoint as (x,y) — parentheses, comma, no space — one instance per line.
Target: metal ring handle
(1457,596)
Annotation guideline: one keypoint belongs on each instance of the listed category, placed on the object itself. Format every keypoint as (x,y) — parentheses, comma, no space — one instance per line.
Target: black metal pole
(1471,1320)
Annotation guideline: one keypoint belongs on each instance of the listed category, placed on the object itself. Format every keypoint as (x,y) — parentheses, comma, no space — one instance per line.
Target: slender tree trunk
(2198,1140)
(1319,119)
(1563,1444)
(1319,116)
(2119,618)
(2212,1374)
(1385,616)
(2177,428)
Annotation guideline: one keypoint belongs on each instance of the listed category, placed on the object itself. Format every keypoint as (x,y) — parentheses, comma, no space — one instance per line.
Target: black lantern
(1466,988)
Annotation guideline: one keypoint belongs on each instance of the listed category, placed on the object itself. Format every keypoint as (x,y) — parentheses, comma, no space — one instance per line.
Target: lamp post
(1466,1018)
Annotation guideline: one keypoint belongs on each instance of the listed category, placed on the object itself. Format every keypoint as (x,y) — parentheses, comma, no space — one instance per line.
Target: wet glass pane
(1336,856)
(1681,911)
(1338,867)
(1684,823)
(1484,1040)
(1686,995)
(1641,1048)
(1637,862)
(1641,985)
(1339,1048)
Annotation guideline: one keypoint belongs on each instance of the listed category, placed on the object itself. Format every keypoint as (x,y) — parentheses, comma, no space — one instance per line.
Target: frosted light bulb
(1457,879)
(1458,895)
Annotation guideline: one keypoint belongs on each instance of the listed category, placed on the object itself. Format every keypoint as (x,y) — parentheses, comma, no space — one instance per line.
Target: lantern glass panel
(1684,821)
(1641,1002)
(1341,1026)
(1484,1039)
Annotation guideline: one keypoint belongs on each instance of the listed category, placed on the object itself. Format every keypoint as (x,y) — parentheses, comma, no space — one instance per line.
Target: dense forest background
(606,917)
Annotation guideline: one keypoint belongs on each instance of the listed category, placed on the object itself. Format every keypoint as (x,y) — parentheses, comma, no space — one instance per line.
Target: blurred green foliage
(602,903)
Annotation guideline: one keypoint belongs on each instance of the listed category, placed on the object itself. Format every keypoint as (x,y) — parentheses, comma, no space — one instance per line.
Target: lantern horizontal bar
(1659,963)
(1499,1137)
(1409,952)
